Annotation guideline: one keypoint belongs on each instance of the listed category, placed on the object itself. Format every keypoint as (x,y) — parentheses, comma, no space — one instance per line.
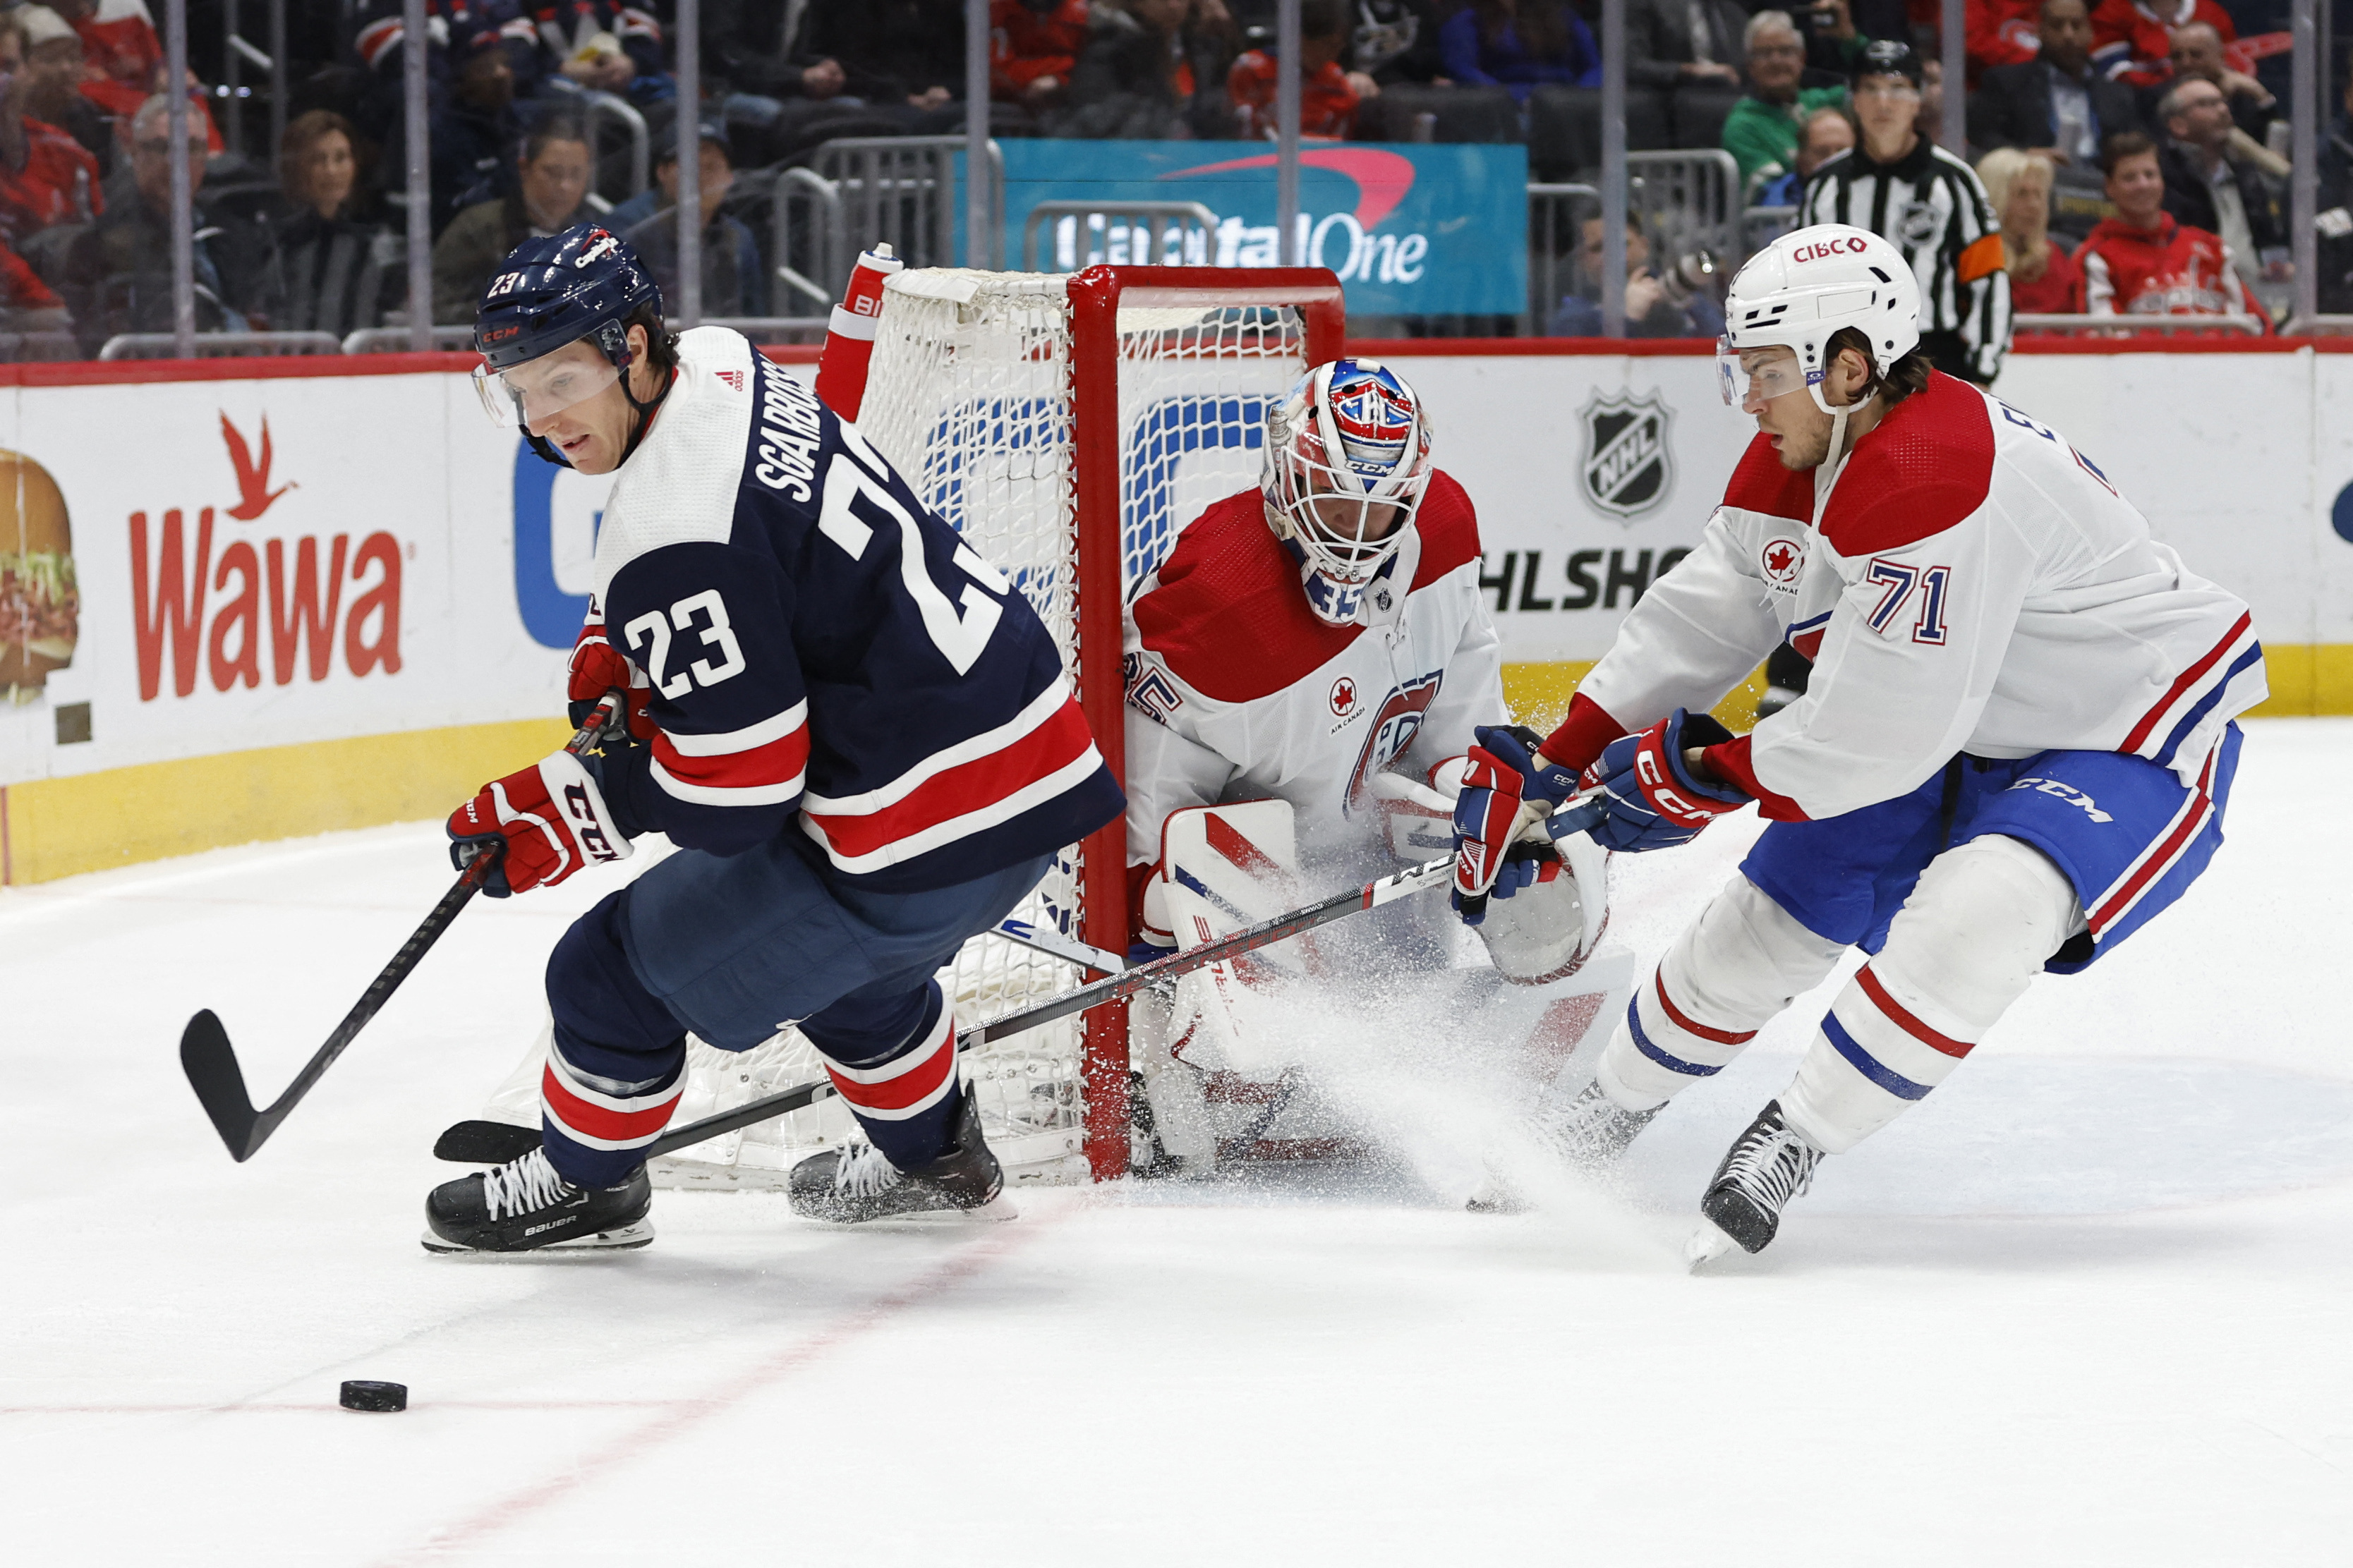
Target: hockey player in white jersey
(2017,746)
(1320,644)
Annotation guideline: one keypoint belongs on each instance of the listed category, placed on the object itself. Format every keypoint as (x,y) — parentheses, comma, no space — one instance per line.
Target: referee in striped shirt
(1900,185)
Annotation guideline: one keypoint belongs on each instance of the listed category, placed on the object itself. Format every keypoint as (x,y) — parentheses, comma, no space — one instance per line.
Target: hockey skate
(1588,1135)
(1768,1164)
(523,1205)
(856,1184)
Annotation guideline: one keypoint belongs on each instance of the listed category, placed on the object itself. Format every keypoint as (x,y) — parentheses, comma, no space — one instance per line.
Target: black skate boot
(1588,1133)
(1768,1164)
(524,1205)
(857,1183)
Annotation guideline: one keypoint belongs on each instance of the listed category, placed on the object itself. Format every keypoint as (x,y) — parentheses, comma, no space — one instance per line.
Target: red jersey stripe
(923,1079)
(2183,682)
(961,791)
(606,1125)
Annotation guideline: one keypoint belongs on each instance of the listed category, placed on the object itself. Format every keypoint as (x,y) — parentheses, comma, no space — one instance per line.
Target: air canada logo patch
(1630,464)
(1344,697)
(1783,561)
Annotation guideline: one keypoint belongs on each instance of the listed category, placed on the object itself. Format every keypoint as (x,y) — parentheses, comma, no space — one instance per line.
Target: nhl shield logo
(1628,464)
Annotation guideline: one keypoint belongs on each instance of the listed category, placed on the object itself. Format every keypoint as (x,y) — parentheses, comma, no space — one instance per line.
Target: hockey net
(1070,426)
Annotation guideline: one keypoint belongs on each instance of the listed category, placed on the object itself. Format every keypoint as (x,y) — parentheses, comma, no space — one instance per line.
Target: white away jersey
(1236,691)
(828,659)
(1965,581)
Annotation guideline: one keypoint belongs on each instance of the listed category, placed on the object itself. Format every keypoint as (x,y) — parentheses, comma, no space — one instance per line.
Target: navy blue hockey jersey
(819,645)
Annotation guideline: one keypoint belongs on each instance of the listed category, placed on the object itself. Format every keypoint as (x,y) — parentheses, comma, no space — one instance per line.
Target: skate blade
(1494,1196)
(621,1238)
(1706,1245)
(996,1211)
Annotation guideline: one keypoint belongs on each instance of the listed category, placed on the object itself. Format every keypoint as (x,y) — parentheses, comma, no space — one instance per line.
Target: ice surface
(2089,1303)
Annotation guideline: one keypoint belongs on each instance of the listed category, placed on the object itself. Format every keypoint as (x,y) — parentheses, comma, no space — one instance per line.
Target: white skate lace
(521,1186)
(863,1173)
(1772,1165)
(1593,1124)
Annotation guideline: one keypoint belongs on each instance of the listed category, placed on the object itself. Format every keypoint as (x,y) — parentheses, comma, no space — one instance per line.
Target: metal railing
(152,345)
(806,231)
(395,340)
(1158,233)
(898,190)
(604,105)
(2126,326)
(1760,227)
(1687,199)
(772,329)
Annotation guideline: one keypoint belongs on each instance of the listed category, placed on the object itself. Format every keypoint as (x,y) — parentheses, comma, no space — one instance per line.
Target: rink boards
(330,593)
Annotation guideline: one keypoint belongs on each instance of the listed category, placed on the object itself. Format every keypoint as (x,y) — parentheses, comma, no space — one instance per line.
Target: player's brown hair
(661,344)
(1905,376)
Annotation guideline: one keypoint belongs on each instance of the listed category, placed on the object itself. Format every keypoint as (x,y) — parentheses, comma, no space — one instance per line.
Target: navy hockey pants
(735,948)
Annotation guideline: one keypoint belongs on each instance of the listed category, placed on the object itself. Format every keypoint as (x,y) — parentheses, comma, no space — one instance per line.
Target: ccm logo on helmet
(1823,249)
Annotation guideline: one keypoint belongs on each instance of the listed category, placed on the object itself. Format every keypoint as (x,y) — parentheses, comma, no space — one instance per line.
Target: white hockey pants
(1978,927)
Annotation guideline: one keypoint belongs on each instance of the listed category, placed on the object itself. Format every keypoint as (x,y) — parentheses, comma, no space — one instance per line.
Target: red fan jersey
(2169,270)
(1327,104)
(2132,40)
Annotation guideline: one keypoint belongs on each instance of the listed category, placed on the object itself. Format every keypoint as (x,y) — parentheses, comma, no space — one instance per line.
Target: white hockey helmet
(1349,436)
(1805,287)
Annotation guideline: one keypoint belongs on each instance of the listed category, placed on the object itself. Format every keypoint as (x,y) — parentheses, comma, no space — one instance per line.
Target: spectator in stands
(2054,104)
(1904,188)
(49,87)
(551,195)
(775,102)
(47,178)
(2198,56)
(903,57)
(1397,41)
(603,45)
(1520,45)
(123,61)
(1328,94)
(1151,68)
(2146,262)
(1828,131)
(1762,131)
(2213,185)
(2132,40)
(2334,210)
(1998,33)
(734,280)
(121,265)
(336,268)
(1033,45)
(472,137)
(1672,44)
(2043,279)
(1679,303)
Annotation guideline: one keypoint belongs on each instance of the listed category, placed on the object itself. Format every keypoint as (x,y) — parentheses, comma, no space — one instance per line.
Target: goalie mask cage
(1070,426)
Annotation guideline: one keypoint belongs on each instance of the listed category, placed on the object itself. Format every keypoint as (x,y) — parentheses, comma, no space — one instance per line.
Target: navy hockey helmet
(551,291)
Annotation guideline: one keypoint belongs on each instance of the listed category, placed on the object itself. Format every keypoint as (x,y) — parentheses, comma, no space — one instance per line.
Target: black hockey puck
(360,1395)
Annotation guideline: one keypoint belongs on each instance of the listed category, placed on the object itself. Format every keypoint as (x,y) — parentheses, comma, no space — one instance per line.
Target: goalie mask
(1348,461)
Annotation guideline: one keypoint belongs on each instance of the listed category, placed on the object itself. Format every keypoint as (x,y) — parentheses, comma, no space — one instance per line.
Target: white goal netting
(970,397)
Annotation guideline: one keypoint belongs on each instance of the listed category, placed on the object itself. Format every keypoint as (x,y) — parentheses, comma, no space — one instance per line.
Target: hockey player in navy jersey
(2017,746)
(855,729)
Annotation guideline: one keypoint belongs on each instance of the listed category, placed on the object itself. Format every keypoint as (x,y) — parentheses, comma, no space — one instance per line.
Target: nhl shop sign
(1629,466)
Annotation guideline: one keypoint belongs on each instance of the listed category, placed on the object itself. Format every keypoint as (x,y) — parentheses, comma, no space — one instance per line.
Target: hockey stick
(211,1063)
(494,1142)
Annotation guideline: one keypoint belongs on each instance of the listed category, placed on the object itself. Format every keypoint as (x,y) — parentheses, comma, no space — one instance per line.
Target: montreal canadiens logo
(1375,419)
(1783,561)
(1344,697)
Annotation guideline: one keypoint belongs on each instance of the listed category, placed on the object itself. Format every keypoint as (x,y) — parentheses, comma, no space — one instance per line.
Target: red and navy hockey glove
(1504,773)
(552,818)
(598,667)
(1654,801)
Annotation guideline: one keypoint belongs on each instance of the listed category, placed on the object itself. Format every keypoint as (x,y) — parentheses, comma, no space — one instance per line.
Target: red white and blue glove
(596,668)
(1503,775)
(1652,799)
(550,819)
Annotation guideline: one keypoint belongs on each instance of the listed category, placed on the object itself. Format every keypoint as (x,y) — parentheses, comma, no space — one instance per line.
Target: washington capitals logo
(600,245)
(1630,465)
(1375,418)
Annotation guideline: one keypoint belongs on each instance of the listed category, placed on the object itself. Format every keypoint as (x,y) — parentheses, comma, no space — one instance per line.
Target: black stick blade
(485,1143)
(211,1066)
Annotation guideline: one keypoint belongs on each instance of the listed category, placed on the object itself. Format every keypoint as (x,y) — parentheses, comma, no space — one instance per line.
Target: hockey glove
(1515,745)
(552,818)
(1653,800)
(597,667)
(1488,815)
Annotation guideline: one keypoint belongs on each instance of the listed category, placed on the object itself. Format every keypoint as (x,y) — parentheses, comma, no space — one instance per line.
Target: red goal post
(1069,426)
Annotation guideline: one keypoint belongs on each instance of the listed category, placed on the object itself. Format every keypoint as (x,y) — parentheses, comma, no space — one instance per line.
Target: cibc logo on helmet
(1823,249)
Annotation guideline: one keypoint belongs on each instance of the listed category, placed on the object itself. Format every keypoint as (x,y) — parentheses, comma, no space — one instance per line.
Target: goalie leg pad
(1979,925)
(1742,961)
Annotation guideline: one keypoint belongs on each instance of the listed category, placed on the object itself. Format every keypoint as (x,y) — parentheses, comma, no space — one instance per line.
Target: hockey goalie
(1303,675)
